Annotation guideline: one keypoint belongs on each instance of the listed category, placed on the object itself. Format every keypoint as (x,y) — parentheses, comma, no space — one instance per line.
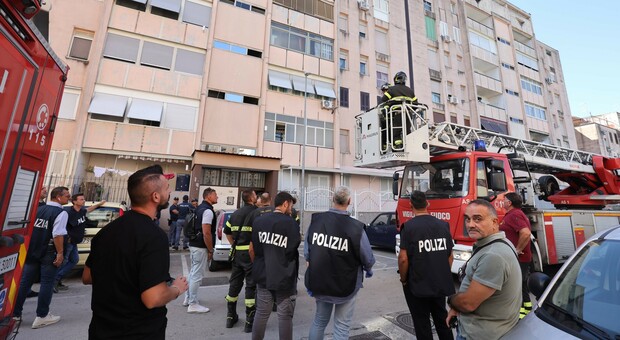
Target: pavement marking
(184,264)
(387,257)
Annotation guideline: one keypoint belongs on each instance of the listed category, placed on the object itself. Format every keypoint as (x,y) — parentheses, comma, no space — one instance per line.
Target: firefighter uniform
(241,267)
(395,95)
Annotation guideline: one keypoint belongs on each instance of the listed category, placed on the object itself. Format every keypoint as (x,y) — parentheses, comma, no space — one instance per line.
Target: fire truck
(566,193)
(32,80)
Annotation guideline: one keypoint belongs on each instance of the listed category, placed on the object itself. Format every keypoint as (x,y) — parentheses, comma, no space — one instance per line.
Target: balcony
(487,82)
(484,29)
(491,111)
(484,55)
(382,57)
(439,106)
(523,48)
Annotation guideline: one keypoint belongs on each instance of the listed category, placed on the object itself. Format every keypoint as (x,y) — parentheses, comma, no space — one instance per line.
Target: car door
(377,230)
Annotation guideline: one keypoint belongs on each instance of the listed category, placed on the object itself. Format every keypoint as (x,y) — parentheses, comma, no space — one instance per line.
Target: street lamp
(302,200)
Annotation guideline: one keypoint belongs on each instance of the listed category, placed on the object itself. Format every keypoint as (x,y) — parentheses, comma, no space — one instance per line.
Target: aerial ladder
(562,217)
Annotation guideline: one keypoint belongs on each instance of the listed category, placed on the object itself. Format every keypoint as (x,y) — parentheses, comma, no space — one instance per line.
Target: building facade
(599,134)
(247,94)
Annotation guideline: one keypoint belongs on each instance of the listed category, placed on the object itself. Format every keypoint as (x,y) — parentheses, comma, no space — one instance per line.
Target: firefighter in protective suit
(239,236)
(397,94)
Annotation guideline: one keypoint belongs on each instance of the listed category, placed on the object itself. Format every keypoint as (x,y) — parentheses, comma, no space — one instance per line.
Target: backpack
(189,228)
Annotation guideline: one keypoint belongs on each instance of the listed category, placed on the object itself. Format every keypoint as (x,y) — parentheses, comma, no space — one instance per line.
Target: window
(382,75)
(508,66)
(436,97)
(156,55)
(493,125)
(343,63)
(430,28)
(236,49)
(428,7)
(317,8)
(443,28)
(344,141)
(439,117)
(139,5)
(80,45)
(196,14)
(363,70)
(535,111)
(512,93)
(363,29)
(166,8)
(289,129)
(189,62)
(246,6)
(179,117)
(121,47)
(482,42)
(456,34)
(364,101)
(343,23)
(381,42)
(527,61)
(68,105)
(344,97)
(301,41)
(503,41)
(381,10)
(232,97)
(531,85)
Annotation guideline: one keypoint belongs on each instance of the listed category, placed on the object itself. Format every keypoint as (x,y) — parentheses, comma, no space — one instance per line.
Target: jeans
(71,259)
(48,271)
(172,233)
(178,231)
(199,260)
(343,313)
(286,309)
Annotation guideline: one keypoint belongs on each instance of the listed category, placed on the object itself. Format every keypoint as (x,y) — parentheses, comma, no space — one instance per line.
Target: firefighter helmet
(385,87)
(400,78)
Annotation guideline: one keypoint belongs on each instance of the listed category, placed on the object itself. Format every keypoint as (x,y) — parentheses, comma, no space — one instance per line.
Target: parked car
(381,231)
(96,220)
(583,298)
(221,245)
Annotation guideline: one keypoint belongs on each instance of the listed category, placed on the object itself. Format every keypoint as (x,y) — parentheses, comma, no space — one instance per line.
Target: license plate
(8,263)
(87,239)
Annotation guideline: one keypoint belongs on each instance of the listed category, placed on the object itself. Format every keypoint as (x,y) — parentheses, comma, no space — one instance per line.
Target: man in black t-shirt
(424,264)
(128,266)
(76,227)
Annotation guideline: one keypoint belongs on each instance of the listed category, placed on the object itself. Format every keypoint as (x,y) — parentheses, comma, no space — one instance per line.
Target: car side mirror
(537,283)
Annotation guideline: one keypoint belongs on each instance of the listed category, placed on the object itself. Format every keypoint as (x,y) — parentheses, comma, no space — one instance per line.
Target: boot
(231,316)
(249,318)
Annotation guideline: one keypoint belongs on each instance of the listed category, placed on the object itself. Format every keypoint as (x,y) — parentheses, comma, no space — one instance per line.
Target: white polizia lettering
(273,239)
(436,244)
(40,223)
(331,242)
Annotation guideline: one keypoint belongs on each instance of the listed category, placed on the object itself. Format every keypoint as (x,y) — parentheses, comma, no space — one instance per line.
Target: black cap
(176,198)
(185,197)
(194,200)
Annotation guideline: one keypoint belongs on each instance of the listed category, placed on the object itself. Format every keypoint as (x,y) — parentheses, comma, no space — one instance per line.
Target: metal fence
(109,188)
(320,199)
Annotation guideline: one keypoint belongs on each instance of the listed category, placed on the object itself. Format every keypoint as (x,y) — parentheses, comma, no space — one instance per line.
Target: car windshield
(446,179)
(103,215)
(586,298)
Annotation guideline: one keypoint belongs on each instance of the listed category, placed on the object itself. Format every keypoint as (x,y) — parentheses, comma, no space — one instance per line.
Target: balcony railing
(521,47)
(482,28)
(435,75)
(487,82)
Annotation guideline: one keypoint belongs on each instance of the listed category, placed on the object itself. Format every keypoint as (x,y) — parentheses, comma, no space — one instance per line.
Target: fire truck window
(482,189)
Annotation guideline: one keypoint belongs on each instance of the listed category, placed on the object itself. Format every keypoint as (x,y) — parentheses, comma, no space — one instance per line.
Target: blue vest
(42,233)
(183,208)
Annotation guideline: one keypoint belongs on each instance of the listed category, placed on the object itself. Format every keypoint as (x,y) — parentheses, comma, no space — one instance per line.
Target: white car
(460,254)
(221,245)
(583,298)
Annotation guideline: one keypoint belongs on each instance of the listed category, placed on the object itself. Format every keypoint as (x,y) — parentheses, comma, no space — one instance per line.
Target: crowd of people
(128,266)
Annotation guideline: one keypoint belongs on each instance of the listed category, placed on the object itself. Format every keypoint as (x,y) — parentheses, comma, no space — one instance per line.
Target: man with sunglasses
(488,301)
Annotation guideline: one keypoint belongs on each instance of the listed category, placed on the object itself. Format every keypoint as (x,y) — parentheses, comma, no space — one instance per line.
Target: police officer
(275,240)
(172,224)
(337,251)
(396,94)
(183,208)
(239,236)
(424,264)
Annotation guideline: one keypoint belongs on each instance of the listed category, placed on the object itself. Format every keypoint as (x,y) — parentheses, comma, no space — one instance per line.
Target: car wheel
(213,265)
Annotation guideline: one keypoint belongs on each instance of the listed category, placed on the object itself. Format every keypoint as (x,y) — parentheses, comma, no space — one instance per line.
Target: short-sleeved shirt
(494,266)
(128,256)
(428,243)
(207,217)
(173,216)
(513,222)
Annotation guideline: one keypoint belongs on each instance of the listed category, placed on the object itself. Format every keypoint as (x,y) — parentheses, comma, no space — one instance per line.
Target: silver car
(583,298)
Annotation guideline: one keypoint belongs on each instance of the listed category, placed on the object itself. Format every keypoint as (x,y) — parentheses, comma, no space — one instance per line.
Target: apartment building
(246,94)
(599,134)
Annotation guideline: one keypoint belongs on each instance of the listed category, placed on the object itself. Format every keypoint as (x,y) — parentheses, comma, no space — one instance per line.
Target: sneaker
(46,321)
(196,308)
(61,286)
(186,301)
(175,248)
(32,293)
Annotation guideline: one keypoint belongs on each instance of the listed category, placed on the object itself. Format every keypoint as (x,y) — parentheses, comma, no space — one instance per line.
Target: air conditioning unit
(446,38)
(363,5)
(327,104)
(548,80)
(453,100)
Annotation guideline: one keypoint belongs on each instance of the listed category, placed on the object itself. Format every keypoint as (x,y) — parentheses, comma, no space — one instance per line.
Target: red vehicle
(454,165)
(32,80)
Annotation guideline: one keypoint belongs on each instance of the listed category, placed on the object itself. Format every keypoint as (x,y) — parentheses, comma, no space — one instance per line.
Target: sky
(586,34)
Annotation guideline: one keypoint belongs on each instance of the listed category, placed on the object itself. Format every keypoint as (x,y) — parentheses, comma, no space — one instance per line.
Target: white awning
(280,80)
(169,5)
(145,109)
(299,84)
(324,89)
(108,104)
